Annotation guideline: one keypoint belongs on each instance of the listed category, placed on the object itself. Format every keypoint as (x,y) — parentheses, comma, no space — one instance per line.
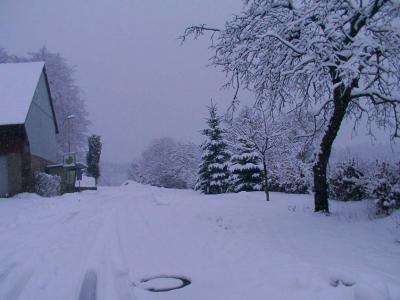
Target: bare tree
(337,58)
(268,137)
(5,57)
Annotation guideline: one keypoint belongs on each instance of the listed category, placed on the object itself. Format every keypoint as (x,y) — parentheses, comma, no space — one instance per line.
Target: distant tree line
(255,151)
(167,163)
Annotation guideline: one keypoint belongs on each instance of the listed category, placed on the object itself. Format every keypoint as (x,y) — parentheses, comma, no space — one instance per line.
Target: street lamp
(68,118)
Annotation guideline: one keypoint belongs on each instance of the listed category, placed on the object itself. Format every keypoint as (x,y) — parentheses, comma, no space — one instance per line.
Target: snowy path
(100,245)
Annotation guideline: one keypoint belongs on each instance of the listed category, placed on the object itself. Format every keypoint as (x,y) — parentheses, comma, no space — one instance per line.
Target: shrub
(296,181)
(385,206)
(347,182)
(47,185)
(172,182)
(292,178)
(385,187)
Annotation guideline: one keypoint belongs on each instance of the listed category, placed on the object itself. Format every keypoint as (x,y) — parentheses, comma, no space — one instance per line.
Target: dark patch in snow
(220,224)
(19,286)
(347,283)
(184,282)
(337,282)
(89,286)
(4,274)
(334,282)
(71,216)
(161,204)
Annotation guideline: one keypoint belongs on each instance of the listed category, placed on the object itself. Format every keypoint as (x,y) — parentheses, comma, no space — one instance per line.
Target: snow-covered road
(101,245)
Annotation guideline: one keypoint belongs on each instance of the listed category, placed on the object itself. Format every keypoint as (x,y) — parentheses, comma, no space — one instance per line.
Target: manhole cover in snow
(164,283)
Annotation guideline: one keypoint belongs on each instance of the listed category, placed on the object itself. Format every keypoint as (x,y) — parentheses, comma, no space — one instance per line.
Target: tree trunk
(341,99)
(266,189)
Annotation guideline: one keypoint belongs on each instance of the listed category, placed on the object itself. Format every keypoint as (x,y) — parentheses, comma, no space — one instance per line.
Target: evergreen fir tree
(93,156)
(213,171)
(246,168)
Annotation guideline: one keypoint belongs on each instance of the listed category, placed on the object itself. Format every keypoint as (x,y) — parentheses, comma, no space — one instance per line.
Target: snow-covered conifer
(93,156)
(213,170)
(246,168)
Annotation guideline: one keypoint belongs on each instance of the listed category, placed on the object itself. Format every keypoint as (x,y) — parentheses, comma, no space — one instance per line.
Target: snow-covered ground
(102,244)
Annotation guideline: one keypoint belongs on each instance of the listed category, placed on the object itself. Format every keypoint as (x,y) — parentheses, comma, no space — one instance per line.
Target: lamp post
(68,118)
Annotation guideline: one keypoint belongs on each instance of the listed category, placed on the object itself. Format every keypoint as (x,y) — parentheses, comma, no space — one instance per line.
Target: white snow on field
(102,244)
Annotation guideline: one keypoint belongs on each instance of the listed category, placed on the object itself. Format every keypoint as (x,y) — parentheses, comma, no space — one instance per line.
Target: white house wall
(40,126)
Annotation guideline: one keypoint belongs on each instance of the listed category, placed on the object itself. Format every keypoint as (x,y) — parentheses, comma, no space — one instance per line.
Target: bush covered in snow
(47,185)
(385,187)
(296,181)
(347,182)
(353,181)
(292,178)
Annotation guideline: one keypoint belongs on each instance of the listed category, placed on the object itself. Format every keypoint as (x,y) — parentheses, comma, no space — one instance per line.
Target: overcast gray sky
(139,83)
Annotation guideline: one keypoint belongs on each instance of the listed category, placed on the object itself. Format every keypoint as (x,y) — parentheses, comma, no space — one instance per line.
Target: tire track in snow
(139,222)
(122,275)
(89,286)
(6,272)
(18,286)
(124,281)
(28,271)
(106,256)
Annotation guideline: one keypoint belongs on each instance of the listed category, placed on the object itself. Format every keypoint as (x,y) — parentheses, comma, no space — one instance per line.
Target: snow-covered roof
(18,82)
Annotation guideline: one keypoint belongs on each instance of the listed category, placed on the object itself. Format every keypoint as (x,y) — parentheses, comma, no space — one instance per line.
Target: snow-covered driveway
(100,245)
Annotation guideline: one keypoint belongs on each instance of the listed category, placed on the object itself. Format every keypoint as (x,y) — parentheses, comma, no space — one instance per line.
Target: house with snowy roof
(28,126)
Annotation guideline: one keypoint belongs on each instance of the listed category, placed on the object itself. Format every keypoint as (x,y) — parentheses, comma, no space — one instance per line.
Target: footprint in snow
(337,282)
